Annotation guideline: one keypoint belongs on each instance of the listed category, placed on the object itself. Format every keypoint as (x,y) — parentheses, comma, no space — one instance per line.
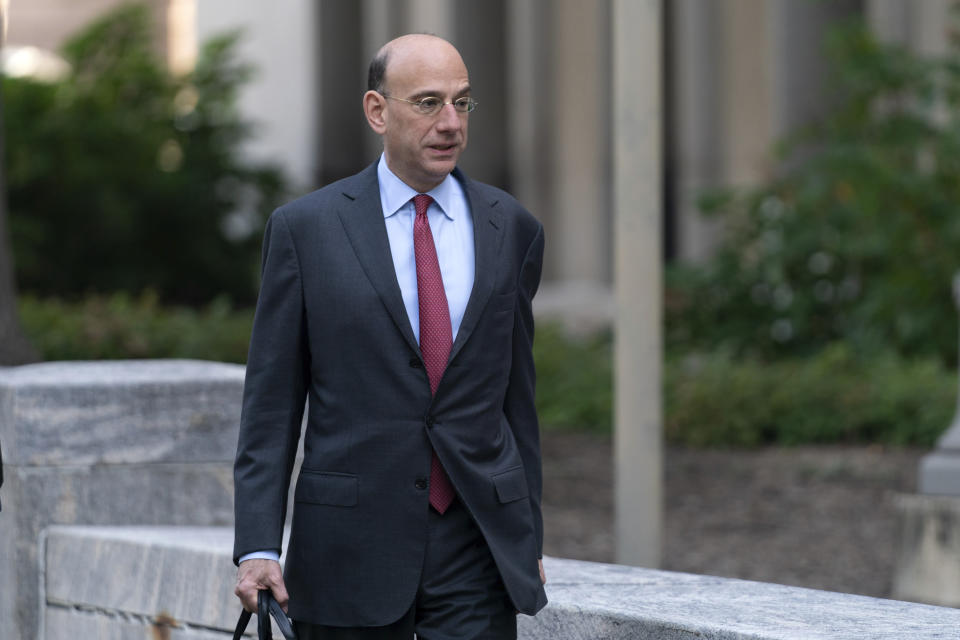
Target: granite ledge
(118,372)
(587,600)
(115,412)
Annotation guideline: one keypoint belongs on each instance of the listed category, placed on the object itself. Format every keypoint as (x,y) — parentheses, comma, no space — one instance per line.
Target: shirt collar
(395,193)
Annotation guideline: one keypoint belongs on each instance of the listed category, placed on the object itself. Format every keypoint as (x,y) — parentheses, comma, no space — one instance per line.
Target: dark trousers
(460,597)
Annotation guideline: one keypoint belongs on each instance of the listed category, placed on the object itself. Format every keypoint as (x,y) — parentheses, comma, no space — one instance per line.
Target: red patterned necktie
(436,336)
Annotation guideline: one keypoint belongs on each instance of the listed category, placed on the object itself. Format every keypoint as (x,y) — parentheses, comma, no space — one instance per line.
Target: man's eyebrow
(432,93)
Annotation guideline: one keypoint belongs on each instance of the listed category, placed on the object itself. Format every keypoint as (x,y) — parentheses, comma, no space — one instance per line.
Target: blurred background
(810,229)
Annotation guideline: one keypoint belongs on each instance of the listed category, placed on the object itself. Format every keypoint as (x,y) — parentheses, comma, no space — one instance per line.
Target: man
(398,302)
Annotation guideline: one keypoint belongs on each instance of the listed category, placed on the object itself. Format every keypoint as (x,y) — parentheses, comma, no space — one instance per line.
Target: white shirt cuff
(266,555)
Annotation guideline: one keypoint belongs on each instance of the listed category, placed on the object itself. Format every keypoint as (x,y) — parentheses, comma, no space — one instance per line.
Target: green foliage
(856,239)
(574,380)
(833,396)
(121,327)
(124,177)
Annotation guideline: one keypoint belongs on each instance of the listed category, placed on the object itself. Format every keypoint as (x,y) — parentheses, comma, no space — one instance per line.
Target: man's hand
(543,576)
(259,573)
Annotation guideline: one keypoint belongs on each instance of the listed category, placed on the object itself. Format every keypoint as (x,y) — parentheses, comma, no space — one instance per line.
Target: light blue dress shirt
(452,227)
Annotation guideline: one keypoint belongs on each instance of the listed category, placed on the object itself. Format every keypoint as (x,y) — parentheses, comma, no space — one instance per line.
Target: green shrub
(121,327)
(855,238)
(833,396)
(124,177)
(574,380)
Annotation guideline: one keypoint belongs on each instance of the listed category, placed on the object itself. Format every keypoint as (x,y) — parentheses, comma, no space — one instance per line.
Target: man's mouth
(443,148)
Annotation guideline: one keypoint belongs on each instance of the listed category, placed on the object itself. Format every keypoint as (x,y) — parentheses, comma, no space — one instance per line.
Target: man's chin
(440,167)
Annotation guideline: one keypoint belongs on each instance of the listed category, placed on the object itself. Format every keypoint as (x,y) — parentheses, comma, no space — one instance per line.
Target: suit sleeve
(274,393)
(519,402)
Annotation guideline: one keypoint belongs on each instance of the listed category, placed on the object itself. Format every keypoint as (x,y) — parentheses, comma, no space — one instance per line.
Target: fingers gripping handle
(266,607)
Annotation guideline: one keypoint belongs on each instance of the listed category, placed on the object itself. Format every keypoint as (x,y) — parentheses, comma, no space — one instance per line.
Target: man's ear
(374,105)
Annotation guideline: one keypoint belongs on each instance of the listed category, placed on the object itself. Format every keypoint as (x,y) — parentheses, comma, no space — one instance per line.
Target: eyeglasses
(431,105)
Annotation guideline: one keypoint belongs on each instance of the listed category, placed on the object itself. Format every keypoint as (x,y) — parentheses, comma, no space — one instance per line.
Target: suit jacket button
(415,363)
(421,483)
(430,421)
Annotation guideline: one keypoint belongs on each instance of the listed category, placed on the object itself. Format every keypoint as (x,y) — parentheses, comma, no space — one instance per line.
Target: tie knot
(420,203)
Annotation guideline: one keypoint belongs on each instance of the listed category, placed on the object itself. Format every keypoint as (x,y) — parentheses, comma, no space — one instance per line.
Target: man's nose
(448,119)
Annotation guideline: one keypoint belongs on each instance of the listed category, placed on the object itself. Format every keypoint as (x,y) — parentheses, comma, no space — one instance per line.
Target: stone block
(126,412)
(185,574)
(939,473)
(110,443)
(928,565)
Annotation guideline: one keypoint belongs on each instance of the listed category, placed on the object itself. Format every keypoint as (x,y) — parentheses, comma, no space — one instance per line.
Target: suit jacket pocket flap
(511,485)
(336,489)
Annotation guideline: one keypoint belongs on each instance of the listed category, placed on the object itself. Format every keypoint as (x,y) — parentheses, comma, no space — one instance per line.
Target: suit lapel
(487,241)
(362,219)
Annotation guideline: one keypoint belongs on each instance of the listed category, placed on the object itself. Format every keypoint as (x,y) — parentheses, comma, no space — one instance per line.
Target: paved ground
(815,517)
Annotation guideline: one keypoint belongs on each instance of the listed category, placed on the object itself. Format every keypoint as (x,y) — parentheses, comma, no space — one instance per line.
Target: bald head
(404,48)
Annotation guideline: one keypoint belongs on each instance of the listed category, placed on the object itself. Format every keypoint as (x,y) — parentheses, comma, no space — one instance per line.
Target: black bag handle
(266,607)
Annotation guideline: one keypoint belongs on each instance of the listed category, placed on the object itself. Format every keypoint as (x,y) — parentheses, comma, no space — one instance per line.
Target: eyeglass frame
(471,103)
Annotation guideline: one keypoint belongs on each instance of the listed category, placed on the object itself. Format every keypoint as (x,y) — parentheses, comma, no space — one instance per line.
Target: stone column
(380,25)
(723,107)
(341,81)
(696,87)
(747,103)
(579,245)
(637,141)
(920,26)
(109,443)
(479,35)
(528,99)
(431,16)
(797,32)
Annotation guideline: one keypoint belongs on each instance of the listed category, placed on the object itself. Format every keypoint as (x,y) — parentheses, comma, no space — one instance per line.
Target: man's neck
(418,186)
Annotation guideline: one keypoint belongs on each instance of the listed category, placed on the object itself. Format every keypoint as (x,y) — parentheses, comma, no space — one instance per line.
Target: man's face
(423,149)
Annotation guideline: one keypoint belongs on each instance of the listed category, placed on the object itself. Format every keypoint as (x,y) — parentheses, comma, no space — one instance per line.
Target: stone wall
(125,583)
(109,443)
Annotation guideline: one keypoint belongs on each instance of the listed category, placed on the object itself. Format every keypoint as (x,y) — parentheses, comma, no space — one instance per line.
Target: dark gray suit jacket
(331,327)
